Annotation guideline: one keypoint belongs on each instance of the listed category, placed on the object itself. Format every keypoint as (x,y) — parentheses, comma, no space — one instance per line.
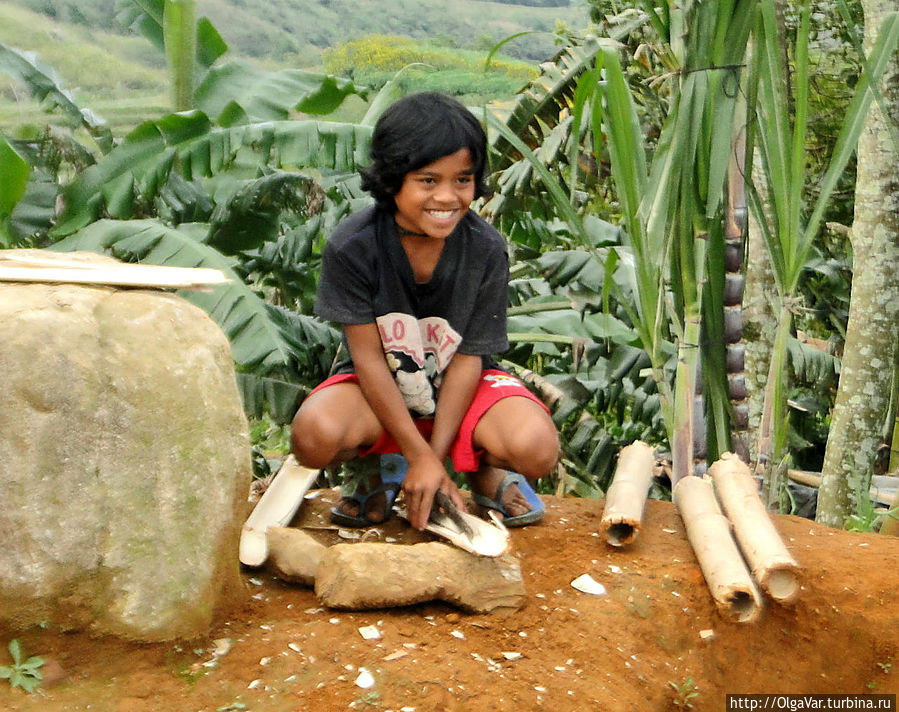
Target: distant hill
(119,74)
(297,30)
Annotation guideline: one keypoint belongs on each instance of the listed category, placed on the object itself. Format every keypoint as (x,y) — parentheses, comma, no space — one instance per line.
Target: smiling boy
(419,284)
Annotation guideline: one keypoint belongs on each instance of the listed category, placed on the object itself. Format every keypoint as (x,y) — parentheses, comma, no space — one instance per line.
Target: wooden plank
(121,275)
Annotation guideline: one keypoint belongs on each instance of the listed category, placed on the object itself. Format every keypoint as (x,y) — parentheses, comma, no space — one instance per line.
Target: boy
(419,283)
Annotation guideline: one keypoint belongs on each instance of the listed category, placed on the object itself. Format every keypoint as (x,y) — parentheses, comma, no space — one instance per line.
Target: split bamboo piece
(26,266)
(622,516)
(772,565)
(277,506)
(708,530)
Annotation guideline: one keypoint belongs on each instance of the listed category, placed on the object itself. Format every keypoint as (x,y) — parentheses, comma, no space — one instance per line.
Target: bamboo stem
(626,497)
(684,393)
(709,532)
(773,426)
(811,479)
(772,565)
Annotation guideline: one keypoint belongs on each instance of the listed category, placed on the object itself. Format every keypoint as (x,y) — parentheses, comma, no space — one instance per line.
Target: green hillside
(122,77)
(297,30)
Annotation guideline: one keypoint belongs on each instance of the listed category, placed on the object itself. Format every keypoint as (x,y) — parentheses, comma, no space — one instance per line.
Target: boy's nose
(445,192)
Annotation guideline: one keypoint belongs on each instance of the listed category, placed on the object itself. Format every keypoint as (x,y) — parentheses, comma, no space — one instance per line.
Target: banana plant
(226,192)
(44,85)
(778,134)
(232,93)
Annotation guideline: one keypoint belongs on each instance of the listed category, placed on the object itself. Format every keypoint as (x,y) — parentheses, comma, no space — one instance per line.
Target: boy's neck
(403,232)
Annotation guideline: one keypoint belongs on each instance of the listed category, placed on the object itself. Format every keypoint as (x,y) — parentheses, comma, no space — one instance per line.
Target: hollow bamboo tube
(626,496)
(708,530)
(772,565)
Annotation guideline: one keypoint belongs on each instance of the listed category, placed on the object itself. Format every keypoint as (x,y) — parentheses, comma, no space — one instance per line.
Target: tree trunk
(759,318)
(863,397)
(760,300)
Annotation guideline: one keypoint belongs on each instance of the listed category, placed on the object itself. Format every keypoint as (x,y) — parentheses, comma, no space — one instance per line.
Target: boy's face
(434,198)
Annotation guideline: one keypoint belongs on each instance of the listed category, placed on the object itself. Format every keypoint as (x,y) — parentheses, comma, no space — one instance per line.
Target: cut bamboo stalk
(812,479)
(772,565)
(622,516)
(709,533)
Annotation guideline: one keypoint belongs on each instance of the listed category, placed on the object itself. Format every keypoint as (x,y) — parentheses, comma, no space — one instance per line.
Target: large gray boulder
(124,463)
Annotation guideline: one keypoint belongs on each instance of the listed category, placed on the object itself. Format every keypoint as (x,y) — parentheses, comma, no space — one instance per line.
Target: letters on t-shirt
(418,351)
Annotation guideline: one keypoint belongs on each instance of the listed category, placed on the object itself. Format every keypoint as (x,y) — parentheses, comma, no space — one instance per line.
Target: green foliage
(44,85)
(789,224)
(865,518)
(24,672)
(602,188)
(14,174)
(376,59)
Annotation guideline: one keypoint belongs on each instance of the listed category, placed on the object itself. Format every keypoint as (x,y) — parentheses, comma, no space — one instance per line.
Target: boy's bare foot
(499,490)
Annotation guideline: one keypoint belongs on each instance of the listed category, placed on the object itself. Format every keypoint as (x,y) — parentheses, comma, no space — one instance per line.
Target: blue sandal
(513,478)
(393,472)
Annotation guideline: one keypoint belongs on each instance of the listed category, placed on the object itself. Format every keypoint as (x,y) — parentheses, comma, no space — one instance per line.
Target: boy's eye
(465,179)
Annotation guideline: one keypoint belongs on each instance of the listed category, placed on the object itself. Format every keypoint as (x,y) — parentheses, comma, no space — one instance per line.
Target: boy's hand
(423,479)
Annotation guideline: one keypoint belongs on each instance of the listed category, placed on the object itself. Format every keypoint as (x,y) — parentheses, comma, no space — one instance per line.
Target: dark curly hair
(416,131)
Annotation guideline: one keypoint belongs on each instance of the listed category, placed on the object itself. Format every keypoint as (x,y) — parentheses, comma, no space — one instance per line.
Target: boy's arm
(460,381)
(426,471)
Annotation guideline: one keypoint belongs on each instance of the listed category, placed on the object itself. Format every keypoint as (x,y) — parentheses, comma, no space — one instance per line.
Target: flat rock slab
(389,565)
(363,575)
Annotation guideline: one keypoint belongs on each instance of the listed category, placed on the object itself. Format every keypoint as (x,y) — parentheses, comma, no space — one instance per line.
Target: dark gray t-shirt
(367,278)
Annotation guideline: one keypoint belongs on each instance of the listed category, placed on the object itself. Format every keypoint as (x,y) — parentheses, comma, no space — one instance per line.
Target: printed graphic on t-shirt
(418,351)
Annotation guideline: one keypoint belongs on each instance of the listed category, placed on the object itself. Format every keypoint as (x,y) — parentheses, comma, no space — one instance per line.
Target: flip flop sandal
(513,478)
(393,472)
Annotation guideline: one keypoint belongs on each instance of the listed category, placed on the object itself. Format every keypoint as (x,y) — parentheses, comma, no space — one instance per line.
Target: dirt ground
(644,645)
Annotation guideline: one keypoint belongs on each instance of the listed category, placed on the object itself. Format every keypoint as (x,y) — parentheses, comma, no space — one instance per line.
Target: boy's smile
(435,197)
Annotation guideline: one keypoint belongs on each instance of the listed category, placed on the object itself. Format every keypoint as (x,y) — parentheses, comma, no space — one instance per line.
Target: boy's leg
(332,426)
(516,434)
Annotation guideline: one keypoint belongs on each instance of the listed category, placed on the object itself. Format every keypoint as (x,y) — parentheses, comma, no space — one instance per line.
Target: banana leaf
(257,341)
(146,18)
(44,85)
(14,174)
(239,90)
(190,144)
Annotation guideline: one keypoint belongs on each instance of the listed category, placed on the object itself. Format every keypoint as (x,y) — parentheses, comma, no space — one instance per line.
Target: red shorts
(492,388)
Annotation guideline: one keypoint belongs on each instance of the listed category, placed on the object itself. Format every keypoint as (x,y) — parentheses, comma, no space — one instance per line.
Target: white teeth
(441,214)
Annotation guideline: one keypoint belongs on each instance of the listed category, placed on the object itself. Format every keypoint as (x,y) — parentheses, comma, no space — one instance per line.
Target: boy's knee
(536,448)
(310,442)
